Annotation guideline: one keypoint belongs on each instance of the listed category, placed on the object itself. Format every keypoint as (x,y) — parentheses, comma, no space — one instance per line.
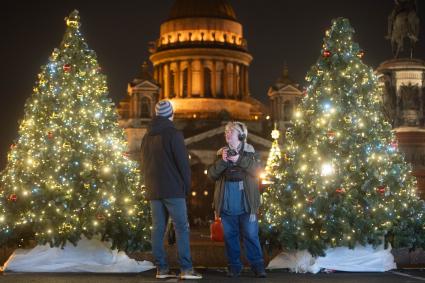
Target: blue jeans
(176,209)
(233,227)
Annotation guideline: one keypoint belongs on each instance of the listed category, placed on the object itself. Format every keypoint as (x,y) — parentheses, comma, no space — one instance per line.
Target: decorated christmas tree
(273,160)
(344,181)
(68,173)
(274,154)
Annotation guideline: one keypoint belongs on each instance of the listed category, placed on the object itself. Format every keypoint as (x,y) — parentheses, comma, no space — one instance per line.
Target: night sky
(119,32)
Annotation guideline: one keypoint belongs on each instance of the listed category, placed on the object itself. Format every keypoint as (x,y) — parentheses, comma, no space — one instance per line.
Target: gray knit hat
(164,108)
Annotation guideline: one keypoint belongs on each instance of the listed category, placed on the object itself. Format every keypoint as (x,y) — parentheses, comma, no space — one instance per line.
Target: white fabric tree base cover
(88,256)
(360,259)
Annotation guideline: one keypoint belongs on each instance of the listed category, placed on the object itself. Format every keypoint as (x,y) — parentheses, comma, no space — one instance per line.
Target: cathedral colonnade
(205,77)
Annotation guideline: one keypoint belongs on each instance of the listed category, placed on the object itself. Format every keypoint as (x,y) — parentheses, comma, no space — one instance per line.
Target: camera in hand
(231,152)
(233,173)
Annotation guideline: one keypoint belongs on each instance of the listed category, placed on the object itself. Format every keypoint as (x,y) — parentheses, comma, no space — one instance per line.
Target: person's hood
(247,148)
(158,125)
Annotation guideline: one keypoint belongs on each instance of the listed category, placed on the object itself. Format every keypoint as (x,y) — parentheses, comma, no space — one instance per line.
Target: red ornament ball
(326,53)
(331,134)
(13,197)
(50,135)
(67,67)
(100,216)
(340,190)
(381,189)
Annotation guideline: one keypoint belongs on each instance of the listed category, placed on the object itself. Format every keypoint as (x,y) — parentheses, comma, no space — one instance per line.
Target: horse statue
(403,22)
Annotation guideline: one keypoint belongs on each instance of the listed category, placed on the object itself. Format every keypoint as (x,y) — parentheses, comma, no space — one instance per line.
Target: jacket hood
(158,125)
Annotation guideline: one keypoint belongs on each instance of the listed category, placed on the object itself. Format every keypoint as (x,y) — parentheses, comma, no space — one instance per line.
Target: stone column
(225,80)
(281,104)
(130,106)
(421,107)
(214,79)
(235,81)
(166,80)
(189,78)
(241,81)
(177,81)
(160,82)
(246,82)
(136,109)
(399,107)
(202,80)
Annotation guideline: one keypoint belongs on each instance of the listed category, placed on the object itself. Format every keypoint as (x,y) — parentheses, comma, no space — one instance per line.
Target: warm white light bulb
(327,169)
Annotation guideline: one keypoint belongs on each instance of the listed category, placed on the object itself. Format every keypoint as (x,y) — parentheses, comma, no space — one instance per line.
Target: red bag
(216,228)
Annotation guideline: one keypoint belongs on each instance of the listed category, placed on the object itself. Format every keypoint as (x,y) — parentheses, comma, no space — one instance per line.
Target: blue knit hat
(164,108)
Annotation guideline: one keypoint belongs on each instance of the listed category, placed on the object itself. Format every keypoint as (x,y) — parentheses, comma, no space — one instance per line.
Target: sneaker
(190,274)
(233,274)
(165,274)
(261,274)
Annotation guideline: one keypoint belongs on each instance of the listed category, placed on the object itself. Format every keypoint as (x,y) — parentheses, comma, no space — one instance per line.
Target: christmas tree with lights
(68,174)
(344,181)
(274,154)
(273,160)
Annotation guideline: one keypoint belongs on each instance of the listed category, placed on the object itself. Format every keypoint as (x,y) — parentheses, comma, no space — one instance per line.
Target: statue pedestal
(411,142)
(403,82)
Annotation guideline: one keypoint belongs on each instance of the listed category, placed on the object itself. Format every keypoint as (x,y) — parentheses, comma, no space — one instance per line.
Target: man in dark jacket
(165,167)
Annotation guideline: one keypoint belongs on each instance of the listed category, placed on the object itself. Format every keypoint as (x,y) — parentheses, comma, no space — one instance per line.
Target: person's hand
(224,154)
(233,158)
(252,217)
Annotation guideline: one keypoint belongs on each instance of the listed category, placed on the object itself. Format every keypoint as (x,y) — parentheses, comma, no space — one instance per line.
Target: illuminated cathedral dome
(201,61)
(201,23)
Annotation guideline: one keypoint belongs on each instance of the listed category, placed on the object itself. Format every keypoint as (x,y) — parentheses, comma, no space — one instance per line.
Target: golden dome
(202,8)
